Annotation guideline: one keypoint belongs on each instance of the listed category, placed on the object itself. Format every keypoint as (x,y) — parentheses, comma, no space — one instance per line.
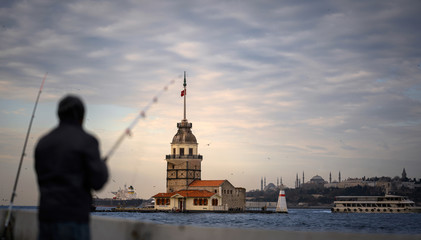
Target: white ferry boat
(374,204)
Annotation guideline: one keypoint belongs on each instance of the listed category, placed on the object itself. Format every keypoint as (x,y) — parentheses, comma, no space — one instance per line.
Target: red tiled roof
(195,193)
(186,193)
(206,183)
(163,195)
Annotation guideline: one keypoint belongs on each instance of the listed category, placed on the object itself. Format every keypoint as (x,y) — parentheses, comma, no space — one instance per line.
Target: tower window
(173,151)
(181,151)
(190,151)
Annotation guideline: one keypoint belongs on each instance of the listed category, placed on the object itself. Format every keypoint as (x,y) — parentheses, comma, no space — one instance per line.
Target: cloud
(20,111)
(346,146)
(312,85)
(192,50)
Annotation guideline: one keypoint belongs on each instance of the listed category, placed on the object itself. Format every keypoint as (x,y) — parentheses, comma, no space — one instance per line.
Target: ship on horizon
(123,197)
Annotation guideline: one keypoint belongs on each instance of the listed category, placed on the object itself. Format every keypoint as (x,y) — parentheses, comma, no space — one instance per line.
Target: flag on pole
(183,92)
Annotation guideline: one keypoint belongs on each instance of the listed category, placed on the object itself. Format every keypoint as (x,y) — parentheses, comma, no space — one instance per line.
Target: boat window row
(384,210)
(388,205)
(369,198)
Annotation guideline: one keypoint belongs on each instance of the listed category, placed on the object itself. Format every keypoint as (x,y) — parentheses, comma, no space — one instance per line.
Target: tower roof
(184,133)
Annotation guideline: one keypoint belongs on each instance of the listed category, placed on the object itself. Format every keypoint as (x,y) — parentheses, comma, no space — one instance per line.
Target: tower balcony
(184,124)
(184,157)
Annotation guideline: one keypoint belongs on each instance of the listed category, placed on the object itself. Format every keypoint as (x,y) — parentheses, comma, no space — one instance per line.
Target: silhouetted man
(68,166)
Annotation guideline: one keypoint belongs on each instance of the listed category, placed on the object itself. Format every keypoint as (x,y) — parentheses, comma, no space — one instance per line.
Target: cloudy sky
(275,88)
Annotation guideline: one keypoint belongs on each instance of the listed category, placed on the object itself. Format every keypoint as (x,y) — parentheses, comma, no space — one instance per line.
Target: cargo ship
(126,197)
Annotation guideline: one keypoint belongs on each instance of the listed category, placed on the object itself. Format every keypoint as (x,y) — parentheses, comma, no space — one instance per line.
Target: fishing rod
(142,114)
(12,198)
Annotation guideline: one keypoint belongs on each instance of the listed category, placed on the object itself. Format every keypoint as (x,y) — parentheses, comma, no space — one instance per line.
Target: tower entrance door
(181,204)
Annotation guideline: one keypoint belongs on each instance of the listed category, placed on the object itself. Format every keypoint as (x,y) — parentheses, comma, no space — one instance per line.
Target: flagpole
(185,93)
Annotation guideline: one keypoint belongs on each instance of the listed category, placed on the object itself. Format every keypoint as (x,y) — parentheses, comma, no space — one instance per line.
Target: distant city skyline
(264,181)
(273,88)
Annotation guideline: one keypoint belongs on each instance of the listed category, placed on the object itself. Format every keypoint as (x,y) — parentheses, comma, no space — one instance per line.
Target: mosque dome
(317,179)
(184,133)
(271,187)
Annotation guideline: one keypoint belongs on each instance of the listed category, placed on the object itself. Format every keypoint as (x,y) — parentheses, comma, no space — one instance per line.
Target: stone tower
(184,162)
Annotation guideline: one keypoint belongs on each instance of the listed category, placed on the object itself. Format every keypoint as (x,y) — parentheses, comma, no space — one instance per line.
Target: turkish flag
(183,92)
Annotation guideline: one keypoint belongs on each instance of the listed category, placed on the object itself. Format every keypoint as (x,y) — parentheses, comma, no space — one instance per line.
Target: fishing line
(142,114)
(9,212)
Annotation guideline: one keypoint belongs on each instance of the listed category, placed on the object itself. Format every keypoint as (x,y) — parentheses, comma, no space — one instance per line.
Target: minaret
(339,176)
(184,162)
(330,177)
(261,184)
(303,177)
(265,182)
(404,175)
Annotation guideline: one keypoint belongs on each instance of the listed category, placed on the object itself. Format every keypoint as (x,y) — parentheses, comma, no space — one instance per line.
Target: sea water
(312,220)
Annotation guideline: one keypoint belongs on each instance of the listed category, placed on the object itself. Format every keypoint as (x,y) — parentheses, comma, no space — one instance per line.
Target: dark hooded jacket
(68,167)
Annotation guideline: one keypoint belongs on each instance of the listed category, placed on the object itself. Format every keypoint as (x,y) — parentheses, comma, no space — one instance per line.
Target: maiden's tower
(186,191)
